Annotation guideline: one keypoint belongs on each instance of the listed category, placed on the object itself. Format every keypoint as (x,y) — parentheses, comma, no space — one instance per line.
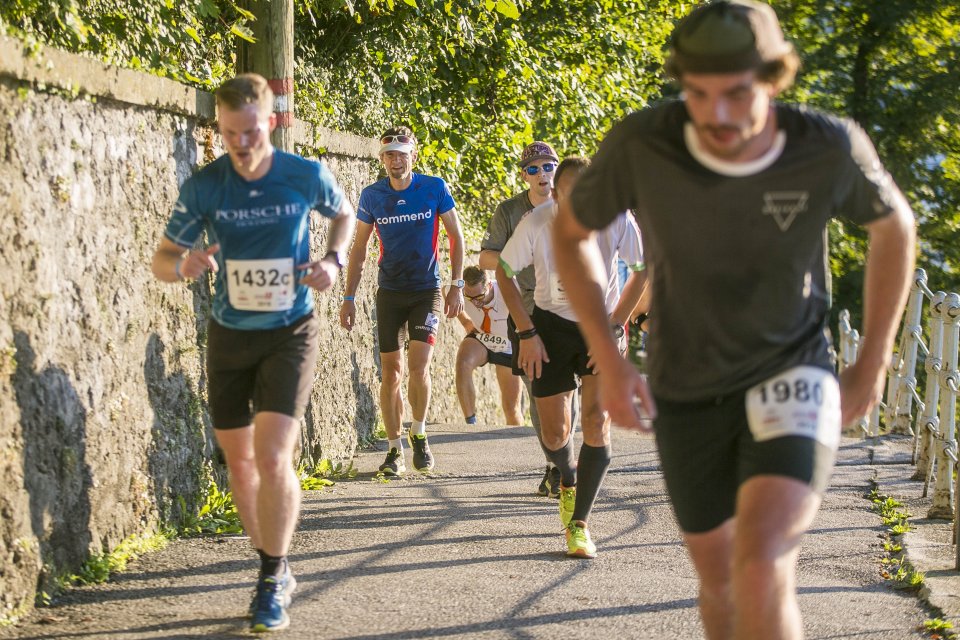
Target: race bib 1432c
(261,285)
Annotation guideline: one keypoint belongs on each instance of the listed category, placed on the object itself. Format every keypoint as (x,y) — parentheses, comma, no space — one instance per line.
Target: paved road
(473,553)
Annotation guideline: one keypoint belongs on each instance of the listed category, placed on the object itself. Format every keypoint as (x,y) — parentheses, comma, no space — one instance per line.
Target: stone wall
(103,422)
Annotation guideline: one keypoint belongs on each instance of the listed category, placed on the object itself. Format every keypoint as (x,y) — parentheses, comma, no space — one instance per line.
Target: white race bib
(261,285)
(803,401)
(558,295)
(497,344)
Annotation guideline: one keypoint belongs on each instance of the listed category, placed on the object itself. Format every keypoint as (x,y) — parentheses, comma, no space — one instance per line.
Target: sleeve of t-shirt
(364,213)
(186,222)
(517,253)
(870,192)
(329,194)
(631,248)
(498,231)
(446,200)
(605,188)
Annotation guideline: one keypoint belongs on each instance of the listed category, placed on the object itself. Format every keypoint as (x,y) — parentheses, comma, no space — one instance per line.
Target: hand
(532,356)
(625,395)
(348,313)
(861,387)
(319,275)
(198,261)
(453,302)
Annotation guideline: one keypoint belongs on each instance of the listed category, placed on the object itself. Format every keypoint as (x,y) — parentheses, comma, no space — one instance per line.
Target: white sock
(418,428)
(396,444)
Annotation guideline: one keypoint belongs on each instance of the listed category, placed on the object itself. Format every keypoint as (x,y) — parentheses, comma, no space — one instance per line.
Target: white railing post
(928,423)
(943,493)
(909,343)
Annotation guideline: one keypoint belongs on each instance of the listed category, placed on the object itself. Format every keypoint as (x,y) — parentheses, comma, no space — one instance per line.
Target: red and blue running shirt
(408,225)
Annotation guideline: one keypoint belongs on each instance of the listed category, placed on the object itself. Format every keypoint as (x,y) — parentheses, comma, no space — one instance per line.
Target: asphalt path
(472,552)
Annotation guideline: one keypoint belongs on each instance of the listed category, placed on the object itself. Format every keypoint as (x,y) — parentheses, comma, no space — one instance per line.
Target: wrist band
(529,333)
(176,269)
(348,298)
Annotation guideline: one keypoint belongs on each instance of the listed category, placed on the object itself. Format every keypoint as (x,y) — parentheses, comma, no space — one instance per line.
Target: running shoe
(544,488)
(579,544)
(289,585)
(568,501)
(554,482)
(422,458)
(393,465)
(270,613)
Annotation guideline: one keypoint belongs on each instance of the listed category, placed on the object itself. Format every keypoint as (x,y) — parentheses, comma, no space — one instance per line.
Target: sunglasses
(547,167)
(479,295)
(402,139)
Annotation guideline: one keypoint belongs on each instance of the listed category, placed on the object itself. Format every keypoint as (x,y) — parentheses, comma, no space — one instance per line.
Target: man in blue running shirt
(254,205)
(406,210)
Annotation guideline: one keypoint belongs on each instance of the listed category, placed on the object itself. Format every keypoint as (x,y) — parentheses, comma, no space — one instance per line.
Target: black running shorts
(417,311)
(707,451)
(260,370)
(567,351)
(493,357)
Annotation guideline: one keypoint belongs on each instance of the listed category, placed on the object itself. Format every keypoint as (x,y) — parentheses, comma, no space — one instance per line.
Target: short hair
(245,89)
(474,275)
(571,162)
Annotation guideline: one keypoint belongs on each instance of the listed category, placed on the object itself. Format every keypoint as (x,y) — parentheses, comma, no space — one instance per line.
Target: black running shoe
(422,458)
(554,482)
(393,465)
(544,488)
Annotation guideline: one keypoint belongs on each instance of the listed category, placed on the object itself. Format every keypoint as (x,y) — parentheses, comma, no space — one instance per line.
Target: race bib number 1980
(261,285)
(803,401)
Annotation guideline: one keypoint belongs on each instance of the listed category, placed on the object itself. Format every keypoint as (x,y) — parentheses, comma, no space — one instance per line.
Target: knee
(273,465)
(464,368)
(553,440)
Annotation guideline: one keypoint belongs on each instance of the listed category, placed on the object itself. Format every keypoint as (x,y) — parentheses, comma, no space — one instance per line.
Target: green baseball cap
(727,36)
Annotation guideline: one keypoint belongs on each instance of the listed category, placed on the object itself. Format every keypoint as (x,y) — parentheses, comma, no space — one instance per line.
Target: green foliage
(891,67)
(477,82)
(324,474)
(218,515)
(99,568)
(188,40)
(938,628)
(894,566)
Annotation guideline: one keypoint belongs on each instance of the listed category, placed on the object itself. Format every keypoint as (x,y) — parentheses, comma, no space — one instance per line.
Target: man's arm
(495,238)
(488,259)
(321,275)
(172,263)
(358,255)
(630,297)
(889,269)
(454,298)
(584,279)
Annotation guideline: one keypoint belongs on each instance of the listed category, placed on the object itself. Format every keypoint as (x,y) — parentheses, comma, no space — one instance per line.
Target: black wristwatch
(618,331)
(337,260)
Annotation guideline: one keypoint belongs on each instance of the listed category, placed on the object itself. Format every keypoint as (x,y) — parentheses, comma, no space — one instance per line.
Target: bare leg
(237,446)
(391,398)
(470,356)
(278,501)
(510,389)
(418,387)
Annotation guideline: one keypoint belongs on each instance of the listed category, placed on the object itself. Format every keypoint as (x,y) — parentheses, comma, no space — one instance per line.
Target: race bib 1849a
(261,285)
(803,401)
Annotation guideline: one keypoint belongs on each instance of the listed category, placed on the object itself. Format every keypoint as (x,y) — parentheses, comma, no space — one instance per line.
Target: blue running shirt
(408,225)
(263,228)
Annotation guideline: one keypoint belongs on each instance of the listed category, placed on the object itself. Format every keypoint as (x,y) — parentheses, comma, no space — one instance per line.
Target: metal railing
(934,421)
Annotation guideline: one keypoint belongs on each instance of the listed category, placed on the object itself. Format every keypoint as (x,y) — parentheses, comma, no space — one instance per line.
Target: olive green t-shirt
(501,226)
(740,279)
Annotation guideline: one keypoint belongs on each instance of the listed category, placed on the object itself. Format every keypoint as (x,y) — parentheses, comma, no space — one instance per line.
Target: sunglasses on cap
(547,167)
(402,139)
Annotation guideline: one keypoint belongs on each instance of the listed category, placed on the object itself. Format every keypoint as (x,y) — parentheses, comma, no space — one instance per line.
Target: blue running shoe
(271,602)
(289,585)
